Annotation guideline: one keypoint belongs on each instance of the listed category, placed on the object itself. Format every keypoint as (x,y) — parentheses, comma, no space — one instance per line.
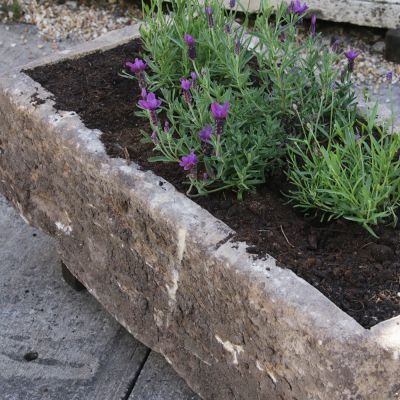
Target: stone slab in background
(376,13)
(157,381)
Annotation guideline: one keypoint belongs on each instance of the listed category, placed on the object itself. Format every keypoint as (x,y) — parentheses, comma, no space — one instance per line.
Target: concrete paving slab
(157,381)
(20,43)
(55,343)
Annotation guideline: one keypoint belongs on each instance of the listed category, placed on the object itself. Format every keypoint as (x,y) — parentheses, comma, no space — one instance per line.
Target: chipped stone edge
(317,310)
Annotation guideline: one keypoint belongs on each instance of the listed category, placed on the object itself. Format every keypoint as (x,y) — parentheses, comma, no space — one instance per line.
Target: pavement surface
(56,343)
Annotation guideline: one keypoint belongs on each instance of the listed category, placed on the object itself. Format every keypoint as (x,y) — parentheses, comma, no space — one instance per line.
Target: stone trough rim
(319,312)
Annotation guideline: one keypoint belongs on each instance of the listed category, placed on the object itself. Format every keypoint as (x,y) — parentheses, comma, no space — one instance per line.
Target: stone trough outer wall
(375,13)
(232,327)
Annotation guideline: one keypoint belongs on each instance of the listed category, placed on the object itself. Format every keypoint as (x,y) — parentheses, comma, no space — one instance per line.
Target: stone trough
(231,326)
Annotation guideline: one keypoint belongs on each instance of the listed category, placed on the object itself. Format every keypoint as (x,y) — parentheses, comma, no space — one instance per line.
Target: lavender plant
(354,175)
(231,106)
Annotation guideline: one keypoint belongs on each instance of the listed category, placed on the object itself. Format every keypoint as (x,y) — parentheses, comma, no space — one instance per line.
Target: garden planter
(233,326)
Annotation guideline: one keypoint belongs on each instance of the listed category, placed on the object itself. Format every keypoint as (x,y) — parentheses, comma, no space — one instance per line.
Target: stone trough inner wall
(234,328)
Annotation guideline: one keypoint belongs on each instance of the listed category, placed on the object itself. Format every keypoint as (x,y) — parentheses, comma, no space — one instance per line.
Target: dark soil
(358,273)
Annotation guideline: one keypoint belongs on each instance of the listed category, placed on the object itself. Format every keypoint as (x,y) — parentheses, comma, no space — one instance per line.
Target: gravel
(370,66)
(72,20)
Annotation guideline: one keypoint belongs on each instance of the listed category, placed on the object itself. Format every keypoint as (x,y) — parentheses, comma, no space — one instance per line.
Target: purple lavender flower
(389,76)
(188,39)
(167,126)
(143,93)
(357,138)
(204,177)
(185,85)
(227,29)
(232,3)
(154,138)
(191,46)
(151,104)
(138,68)
(296,7)
(335,45)
(210,17)
(189,162)
(313,24)
(220,113)
(351,55)
(206,133)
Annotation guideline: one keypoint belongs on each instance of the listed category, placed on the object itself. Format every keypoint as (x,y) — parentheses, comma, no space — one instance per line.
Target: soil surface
(359,273)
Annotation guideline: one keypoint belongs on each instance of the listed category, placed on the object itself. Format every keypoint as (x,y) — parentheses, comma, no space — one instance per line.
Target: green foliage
(232,160)
(291,108)
(354,174)
(297,74)
(12,8)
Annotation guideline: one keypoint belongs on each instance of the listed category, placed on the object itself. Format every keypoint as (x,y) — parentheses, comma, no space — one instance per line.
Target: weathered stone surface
(233,327)
(377,13)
